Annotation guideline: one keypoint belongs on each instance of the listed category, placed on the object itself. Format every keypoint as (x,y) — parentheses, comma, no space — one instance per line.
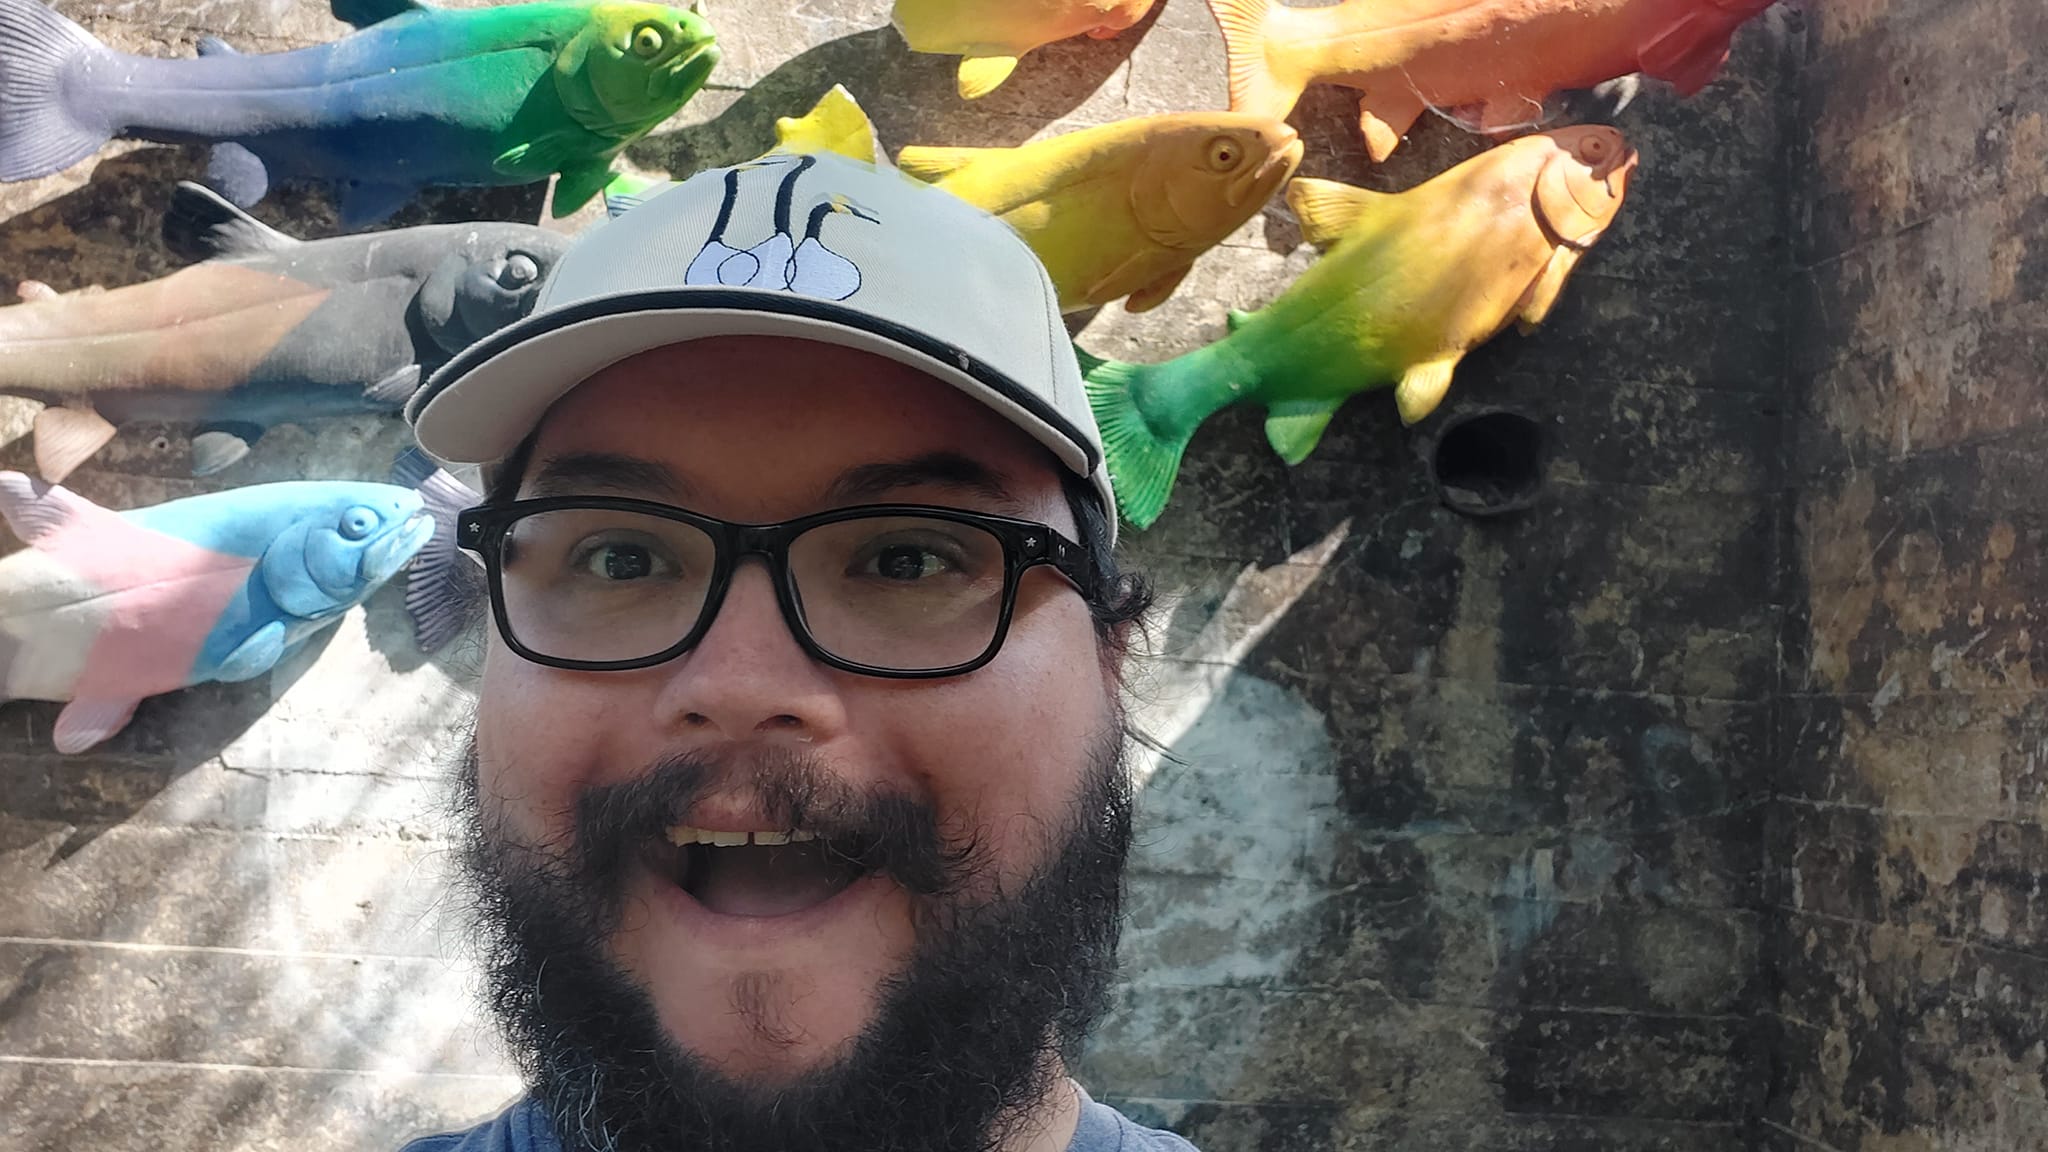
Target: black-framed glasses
(907,591)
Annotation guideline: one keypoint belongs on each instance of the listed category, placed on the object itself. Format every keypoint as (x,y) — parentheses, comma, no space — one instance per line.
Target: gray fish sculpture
(268,330)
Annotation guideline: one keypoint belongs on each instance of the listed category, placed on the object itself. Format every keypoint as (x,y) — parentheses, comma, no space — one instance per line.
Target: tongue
(765,880)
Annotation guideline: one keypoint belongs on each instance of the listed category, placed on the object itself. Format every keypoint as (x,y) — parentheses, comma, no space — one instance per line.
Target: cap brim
(479,406)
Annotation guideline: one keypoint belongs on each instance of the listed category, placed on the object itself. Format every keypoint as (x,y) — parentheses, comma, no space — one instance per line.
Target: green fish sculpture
(1409,283)
(419,96)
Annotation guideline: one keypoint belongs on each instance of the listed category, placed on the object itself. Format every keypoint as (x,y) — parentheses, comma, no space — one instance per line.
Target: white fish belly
(49,619)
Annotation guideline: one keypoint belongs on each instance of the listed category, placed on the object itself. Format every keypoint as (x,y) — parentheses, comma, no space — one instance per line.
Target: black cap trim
(741,300)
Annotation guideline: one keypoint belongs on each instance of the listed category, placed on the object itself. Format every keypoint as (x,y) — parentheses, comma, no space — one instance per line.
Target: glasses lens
(906,593)
(594,584)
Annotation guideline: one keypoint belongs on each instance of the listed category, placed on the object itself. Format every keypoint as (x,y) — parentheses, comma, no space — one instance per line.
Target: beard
(1000,987)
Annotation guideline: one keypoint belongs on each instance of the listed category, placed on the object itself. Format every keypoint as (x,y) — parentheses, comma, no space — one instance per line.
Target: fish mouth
(1279,164)
(384,557)
(691,66)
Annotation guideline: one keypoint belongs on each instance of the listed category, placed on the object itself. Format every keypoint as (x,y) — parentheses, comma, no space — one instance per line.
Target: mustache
(875,829)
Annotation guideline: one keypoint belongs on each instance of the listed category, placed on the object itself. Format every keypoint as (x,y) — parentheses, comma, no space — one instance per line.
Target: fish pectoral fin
(1423,388)
(200,224)
(1537,302)
(394,390)
(930,164)
(1384,120)
(237,172)
(89,720)
(578,183)
(254,656)
(66,438)
(1154,294)
(445,585)
(220,446)
(981,75)
(365,204)
(1327,209)
(363,13)
(1295,427)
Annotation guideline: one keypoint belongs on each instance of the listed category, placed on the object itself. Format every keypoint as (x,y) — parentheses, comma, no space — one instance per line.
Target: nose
(748,678)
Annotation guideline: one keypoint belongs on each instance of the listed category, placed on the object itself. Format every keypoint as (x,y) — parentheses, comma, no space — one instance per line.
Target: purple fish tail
(39,132)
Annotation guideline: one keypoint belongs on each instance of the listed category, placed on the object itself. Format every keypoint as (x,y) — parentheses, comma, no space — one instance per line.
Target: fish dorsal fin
(1235,318)
(363,13)
(931,164)
(981,75)
(836,123)
(1327,209)
(200,224)
(39,512)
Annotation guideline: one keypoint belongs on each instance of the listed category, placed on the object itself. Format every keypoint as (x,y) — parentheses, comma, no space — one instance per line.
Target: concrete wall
(1461,842)
(1910,934)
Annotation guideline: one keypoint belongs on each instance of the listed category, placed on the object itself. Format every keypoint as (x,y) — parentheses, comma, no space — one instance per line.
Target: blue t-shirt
(522,1128)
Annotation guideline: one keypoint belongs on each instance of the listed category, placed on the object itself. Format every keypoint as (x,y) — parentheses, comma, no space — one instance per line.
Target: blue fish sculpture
(104,608)
(419,96)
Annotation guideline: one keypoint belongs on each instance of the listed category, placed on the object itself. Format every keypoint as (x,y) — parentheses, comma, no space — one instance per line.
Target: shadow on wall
(910,97)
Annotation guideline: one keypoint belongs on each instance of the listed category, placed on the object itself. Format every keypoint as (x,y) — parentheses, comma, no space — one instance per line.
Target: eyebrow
(945,470)
(580,473)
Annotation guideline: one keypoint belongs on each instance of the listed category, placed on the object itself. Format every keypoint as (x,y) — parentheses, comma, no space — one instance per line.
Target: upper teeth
(683,834)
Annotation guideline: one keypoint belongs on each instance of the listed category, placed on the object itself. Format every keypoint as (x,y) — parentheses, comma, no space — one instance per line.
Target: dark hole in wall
(1490,464)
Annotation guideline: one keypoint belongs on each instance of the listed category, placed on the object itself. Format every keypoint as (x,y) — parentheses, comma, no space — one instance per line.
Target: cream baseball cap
(814,247)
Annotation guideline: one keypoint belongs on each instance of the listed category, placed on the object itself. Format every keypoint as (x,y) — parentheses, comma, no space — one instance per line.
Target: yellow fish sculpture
(1409,284)
(992,34)
(1123,209)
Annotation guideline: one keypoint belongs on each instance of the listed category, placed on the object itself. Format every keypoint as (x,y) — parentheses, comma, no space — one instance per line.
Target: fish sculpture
(992,34)
(269,330)
(1488,64)
(419,96)
(105,608)
(1121,210)
(1408,284)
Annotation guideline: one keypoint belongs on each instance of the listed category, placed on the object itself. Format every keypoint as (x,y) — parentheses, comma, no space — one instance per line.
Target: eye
(1224,153)
(647,41)
(519,271)
(619,561)
(357,523)
(1593,149)
(909,560)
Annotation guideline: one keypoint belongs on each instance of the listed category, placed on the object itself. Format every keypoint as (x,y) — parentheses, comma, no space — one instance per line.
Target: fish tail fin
(40,132)
(1255,86)
(1143,459)
(443,590)
(39,512)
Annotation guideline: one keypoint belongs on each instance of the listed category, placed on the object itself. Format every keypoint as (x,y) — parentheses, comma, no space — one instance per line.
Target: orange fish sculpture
(1486,63)
(992,34)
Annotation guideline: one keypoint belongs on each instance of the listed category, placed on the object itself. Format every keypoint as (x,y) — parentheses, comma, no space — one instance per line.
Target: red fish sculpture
(1486,63)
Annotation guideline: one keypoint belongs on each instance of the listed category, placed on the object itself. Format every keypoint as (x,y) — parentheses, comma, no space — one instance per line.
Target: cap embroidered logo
(780,263)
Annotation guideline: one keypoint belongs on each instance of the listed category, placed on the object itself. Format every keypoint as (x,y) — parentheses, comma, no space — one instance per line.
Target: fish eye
(1224,153)
(519,271)
(357,523)
(646,41)
(1593,148)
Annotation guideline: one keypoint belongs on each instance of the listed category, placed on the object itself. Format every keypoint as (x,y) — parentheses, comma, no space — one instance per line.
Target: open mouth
(761,874)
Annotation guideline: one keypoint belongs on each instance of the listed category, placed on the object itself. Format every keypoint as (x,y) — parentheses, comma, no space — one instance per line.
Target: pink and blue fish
(104,608)
(419,96)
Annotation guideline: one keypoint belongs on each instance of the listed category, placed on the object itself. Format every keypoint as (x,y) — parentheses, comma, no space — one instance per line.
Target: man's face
(764,968)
